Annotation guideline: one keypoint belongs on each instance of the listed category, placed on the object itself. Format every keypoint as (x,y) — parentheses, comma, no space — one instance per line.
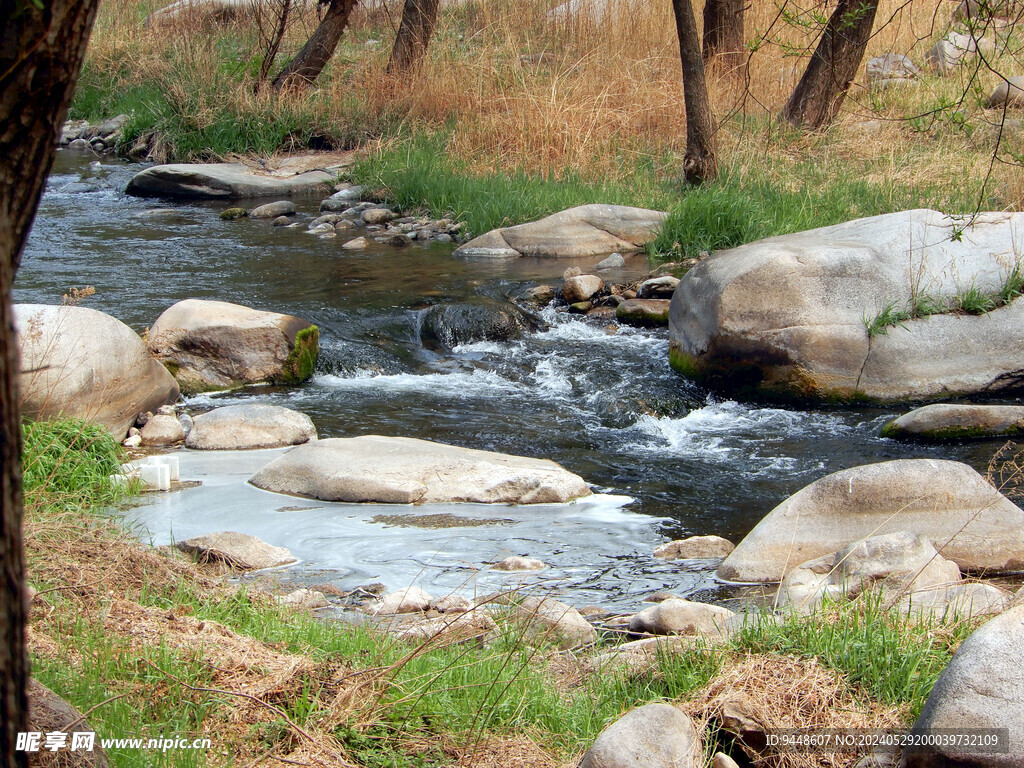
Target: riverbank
(514,117)
(150,645)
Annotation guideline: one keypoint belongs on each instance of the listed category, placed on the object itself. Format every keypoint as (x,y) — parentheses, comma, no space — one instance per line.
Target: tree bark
(41,54)
(819,94)
(309,62)
(723,35)
(418,20)
(700,163)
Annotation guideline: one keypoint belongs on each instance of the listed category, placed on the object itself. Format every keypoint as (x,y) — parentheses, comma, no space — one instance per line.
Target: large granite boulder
(887,566)
(586,230)
(225,180)
(77,362)
(211,345)
(651,736)
(403,470)
(983,687)
(248,426)
(966,519)
(954,421)
(804,315)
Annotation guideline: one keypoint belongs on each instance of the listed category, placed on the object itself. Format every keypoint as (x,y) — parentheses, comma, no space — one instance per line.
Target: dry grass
(765,693)
(519,91)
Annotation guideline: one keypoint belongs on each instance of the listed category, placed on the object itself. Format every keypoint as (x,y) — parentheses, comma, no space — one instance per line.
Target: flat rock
(213,345)
(224,180)
(402,470)
(650,736)
(238,550)
(982,687)
(695,548)
(583,231)
(517,563)
(77,362)
(947,502)
(954,421)
(248,426)
(886,566)
(788,316)
(683,617)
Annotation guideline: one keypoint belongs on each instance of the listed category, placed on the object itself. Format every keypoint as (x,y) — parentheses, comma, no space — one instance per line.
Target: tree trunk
(820,92)
(723,35)
(418,20)
(41,53)
(311,60)
(700,163)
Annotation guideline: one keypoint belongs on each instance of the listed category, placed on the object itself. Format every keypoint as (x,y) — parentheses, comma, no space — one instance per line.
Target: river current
(666,458)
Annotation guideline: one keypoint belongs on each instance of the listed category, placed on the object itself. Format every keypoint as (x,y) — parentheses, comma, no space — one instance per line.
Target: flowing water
(667,458)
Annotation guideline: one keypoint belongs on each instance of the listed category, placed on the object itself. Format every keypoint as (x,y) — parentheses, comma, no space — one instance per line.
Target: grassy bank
(514,116)
(150,646)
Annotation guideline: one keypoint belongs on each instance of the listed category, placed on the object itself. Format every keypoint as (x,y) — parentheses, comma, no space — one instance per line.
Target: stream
(666,458)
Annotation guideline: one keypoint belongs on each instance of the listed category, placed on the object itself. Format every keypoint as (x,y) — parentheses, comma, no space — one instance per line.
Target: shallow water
(670,459)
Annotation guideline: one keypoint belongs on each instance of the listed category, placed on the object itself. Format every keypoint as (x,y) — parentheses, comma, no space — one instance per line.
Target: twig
(90,710)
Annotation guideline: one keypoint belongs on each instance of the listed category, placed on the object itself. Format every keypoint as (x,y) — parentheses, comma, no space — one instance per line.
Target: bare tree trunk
(723,35)
(820,92)
(311,60)
(418,20)
(700,163)
(41,53)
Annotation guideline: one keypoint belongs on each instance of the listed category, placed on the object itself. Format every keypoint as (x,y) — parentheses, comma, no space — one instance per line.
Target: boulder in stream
(827,314)
(403,470)
(949,503)
(445,326)
(225,180)
(78,362)
(957,421)
(213,345)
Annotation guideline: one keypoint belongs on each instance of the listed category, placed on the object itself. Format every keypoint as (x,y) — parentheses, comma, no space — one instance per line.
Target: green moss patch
(302,361)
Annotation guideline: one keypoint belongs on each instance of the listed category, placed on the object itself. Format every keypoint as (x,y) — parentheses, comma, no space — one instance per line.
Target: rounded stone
(249,426)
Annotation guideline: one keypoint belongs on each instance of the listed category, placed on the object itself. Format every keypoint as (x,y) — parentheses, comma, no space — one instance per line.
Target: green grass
(68,464)
(889,316)
(104,663)
(418,174)
(974,301)
(890,658)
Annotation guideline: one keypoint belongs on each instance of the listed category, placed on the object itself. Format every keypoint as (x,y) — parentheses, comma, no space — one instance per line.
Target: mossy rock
(302,361)
(231,214)
(951,421)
